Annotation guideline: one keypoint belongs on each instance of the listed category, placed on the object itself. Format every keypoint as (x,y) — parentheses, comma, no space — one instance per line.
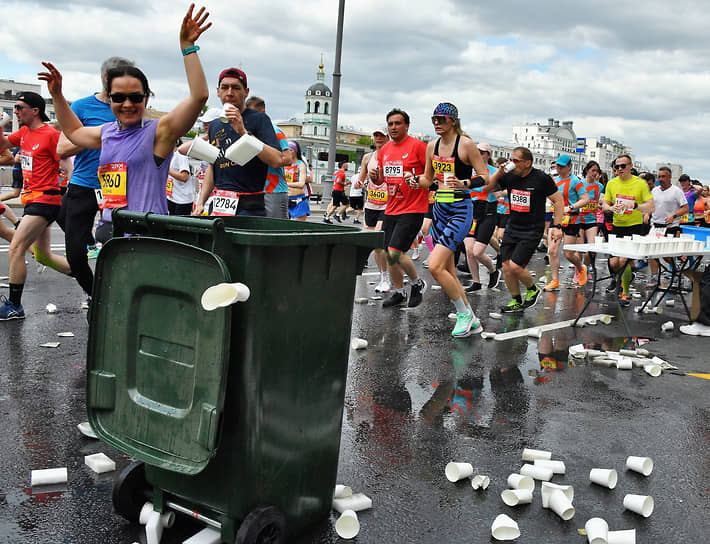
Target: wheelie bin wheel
(263,525)
(129,491)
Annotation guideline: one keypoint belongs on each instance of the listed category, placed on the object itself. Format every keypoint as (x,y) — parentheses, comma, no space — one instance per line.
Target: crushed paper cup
(653,370)
(244,149)
(518,481)
(640,504)
(535,332)
(453,316)
(592,321)
(548,488)
(203,150)
(100,463)
(495,315)
(642,352)
(627,352)
(516,497)
(560,504)
(653,310)
(606,319)
(480,481)
(504,528)
(65,334)
(488,335)
(642,465)
(48,476)
(622,537)
(51,308)
(458,471)
(605,477)
(670,302)
(357,502)
(557,467)
(667,326)
(531,455)
(436,287)
(358,343)
(50,345)
(342,491)
(597,531)
(538,473)
(624,363)
(223,295)
(85,429)
(347,526)
(361,300)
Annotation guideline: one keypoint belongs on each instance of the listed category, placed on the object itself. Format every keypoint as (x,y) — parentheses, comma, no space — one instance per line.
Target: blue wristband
(191,49)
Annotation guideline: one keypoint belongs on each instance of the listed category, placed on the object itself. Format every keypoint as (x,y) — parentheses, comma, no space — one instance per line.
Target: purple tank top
(145,181)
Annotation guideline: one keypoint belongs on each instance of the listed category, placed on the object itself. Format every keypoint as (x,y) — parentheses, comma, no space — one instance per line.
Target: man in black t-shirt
(528,188)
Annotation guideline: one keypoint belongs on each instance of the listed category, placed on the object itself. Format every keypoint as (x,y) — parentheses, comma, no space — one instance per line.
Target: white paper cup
(538,473)
(5,119)
(504,528)
(670,302)
(488,335)
(244,149)
(515,497)
(548,488)
(479,481)
(561,505)
(203,150)
(643,465)
(606,319)
(642,352)
(223,114)
(342,491)
(357,502)
(627,352)
(653,370)
(224,294)
(509,167)
(531,455)
(458,471)
(557,467)
(452,316)
(625,363)
(48,476)
(51,308)
(518,481)
(640,504)
(667,326)
(622,537)
(347,526)
(597,531)
(495,315)
(534,332)
(358,343)
(605,477)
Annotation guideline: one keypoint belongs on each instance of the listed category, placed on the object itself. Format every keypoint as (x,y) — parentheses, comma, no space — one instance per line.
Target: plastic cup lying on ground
(224,294)
(347,526)
(643,465)
(504,528)
(51,308)
(531,455)
(622,537)
(560,504)
(667,326)
(515,497)
(203,150)
(640,504)
(606,477)
(597,531)
(548,488)
(538,473)
(244,149)
(458,471)
(518,481)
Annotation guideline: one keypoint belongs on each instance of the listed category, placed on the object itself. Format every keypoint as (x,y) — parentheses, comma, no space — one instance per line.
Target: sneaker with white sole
(415,254)
(9,311)
(466,325)
(383,287)
(695,329)
(415,296)
(494,278)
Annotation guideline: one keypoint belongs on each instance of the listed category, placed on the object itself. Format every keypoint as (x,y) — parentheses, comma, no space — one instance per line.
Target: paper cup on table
(537,473)
(358,343)
(557,467)
(518,481)
(643,465)
(224,294)
(515,497)
(640,504)
(561,505)
(653,370)
(479,481)
(622,537)
(347,526)
(504,528)
(531,455)
(342,491)
(357,502)
(244,149)
(48,476)
(225,109)
(604,477)
(203,150)
(597,531)
(548,488)
(458,471)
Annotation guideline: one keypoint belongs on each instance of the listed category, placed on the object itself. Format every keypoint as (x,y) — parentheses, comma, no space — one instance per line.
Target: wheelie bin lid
(156,360)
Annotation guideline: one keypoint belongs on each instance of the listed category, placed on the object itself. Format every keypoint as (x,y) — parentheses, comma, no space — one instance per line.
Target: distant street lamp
(332,141)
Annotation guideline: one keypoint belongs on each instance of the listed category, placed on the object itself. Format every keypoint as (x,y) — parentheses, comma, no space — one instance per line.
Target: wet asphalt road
(415,399)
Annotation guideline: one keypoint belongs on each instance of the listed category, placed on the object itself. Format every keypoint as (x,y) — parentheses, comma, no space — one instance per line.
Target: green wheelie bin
(234,415)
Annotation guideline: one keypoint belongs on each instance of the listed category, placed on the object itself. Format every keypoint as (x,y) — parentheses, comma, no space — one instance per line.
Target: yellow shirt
(631,190)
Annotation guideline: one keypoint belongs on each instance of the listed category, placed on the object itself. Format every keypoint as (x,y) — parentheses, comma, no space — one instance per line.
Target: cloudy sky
(637,72)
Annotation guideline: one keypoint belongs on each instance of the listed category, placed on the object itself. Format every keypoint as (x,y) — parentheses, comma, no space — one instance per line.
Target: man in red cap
(239,189)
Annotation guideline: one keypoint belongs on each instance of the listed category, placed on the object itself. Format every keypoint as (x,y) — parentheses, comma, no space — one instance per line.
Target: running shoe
(542,248)
(582,276)
(554,285)
(415,296)
(473,287)
(383,287)
(92,252)
(463,267)
(9,311)
(327,220)
(337,218)
(531,296)
(343,216)
(493,279)
(425,264)
(611,288)
(641,264)
(694,329)
(512,306)
(466,325)
(395,299)
(356,221)
(499,262)
(624,300)
(415,254)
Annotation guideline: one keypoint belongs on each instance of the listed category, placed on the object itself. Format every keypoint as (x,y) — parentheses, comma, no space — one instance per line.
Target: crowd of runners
(449,194)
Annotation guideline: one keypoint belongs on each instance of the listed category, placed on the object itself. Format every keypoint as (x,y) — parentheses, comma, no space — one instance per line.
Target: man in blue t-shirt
(239,189)
(80,203)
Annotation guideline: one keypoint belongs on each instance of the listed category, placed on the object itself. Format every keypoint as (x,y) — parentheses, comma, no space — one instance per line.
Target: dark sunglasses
(120,98)
(441,119)
(619,166)
(18,107)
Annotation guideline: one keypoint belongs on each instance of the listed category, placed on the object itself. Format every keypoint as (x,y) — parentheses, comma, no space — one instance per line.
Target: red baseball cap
(233,72)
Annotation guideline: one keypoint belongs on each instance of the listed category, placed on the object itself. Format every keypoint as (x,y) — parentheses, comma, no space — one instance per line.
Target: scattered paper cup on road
(640,504)
(515,497)
(622,537)
(342,491)
(557,467)
(479,481)
(223,295)
(495,315)
(670,302)
(548,488)
(592,321)
(347,526)
(85,429)
(605,477)
(606,319)
(51,308)
(560,504)
(578,351)
(203,150)
(653,370)
(504,528)
(534,332)
(518,481)
(597,531)
(642,352)
(627,352)
(667,326)
(357,502)
(358,343)
(488,335)
(624,363)
(643,465)
(538,473)
(100,463)
(361,300)
(531,455)
(458,471)
(453,317)
(48,476)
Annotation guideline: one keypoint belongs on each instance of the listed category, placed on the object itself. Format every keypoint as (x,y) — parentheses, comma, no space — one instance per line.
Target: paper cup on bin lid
(504,528)
(538,473)
(605,477)
(531,455)
(203,150)
(518,481)
(548,488)
(560,504)
(622,537)
(458,471)
(347,526)
(640,504)
(515,497)
(597,531)
(244,149)
(224,294)
(644,465)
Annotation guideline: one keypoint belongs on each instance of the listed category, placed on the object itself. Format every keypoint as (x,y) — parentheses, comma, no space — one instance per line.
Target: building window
(318,93)
(315,129)
(316,107)
(308,107)
(325,130)
(593,154)
(325,108)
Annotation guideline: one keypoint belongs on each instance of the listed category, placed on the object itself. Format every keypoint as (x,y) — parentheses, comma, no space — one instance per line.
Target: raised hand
(53,79)
(193,26)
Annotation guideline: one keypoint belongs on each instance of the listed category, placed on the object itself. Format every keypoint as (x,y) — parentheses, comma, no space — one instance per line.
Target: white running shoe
(415,254)
(382,287)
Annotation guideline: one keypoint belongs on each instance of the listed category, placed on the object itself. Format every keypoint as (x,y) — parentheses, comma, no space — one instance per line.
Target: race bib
(590,207)
(394,172)
(432,197)
(169,187)
(520,200)
(472,230)
(26,165)
(442,165)
(627,201)
(377,196)
(288,175)
(565,220)
(112,177)
(225,203)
